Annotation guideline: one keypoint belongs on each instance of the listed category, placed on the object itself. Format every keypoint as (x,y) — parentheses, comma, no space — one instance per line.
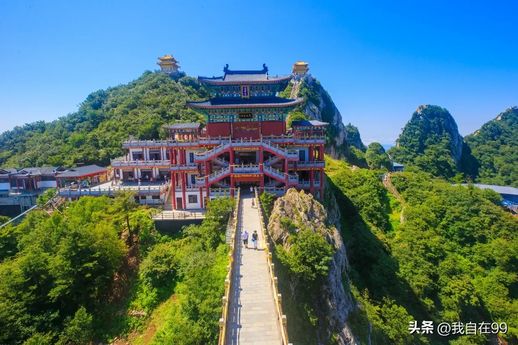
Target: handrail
(234,242)
(283,322)
(133,162)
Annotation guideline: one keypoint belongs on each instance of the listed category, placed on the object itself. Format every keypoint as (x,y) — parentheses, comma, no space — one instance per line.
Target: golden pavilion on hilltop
(300,68)
(168,64)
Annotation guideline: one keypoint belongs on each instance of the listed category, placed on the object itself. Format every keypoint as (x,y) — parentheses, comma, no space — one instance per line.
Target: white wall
(197,204)
(47,184)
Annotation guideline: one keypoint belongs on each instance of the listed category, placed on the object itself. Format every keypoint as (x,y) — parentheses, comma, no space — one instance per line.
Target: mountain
(95,132)
(431,142)
(495,147)
(343,141)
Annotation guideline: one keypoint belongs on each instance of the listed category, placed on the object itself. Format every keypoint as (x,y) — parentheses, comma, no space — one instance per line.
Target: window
(245,91)
(193,199)
(191,157)
(193,179)
(302,155)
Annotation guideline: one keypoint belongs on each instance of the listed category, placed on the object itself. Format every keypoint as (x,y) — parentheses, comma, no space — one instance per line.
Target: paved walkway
(252,314)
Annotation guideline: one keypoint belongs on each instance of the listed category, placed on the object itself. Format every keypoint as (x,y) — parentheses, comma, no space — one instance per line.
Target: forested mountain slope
(495,146)
(443,253)
(97,270)
(95,132)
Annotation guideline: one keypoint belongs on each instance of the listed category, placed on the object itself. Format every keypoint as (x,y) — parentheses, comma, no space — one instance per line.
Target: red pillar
(311,181)
(207,191)
(310,153)
(173,188)
(286,179)
(201,197)
(261,159)
(184,202)
(322,183)
(232,186)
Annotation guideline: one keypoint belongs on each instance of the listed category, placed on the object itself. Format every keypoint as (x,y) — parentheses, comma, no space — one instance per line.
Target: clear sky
(379,60)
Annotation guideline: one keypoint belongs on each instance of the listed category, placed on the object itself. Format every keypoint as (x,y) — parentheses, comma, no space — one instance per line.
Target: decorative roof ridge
(226,70)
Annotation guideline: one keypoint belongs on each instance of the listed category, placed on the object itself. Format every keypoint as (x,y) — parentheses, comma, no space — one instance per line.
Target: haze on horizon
(378,60)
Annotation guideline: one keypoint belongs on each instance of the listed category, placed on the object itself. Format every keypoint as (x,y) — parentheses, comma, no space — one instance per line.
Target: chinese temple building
(244,143)
(168,64)
(300,68)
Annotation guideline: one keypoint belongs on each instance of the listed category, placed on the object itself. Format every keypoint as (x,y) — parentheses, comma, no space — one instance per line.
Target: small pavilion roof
(241,76)
(7,171)
(184,125)
(308,123)
(252,102)
(36,171)
(82,171)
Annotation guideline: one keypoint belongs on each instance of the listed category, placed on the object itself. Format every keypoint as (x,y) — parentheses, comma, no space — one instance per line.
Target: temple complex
(244,143)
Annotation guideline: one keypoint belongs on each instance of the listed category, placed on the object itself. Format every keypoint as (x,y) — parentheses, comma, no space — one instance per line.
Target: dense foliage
(176,294)
(95,132)
(448,253)
(430,141)
(74,276)
(57,271)
(308,256)
(377,158)
(495,146)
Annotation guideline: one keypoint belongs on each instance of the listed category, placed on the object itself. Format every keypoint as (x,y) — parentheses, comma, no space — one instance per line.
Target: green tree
(308,256)
(78,330)
(295,116)
(377,158)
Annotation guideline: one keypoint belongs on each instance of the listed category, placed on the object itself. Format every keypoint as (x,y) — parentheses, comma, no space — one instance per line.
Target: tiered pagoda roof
(261,89)
(238,77)
(252,102)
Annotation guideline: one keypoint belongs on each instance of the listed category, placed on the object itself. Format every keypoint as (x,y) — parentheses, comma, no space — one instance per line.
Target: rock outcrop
(428,126)
(335,303)
(320,106)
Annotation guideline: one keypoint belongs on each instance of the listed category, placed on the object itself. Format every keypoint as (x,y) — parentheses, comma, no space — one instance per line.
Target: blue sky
(379,60)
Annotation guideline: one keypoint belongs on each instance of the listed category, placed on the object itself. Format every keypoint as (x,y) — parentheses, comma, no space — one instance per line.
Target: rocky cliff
(331,302)
(429,125)
(319,106)
(431,142)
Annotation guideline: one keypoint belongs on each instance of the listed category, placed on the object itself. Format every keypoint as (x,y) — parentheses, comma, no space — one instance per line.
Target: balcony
(184,167)
(121,163)
(310,164)
(307,184)
(246,169)
(110,189)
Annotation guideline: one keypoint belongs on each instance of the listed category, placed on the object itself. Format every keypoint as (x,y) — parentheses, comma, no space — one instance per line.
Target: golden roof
(167,57)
